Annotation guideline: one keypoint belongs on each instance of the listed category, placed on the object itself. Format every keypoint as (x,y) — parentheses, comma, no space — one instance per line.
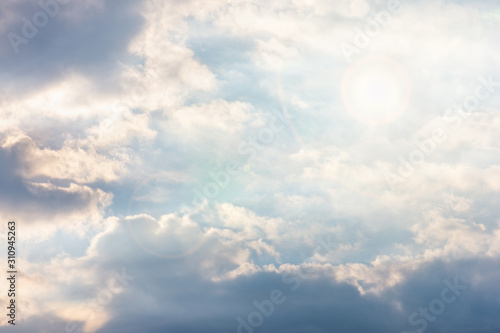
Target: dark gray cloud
(82,36)
(178,295)
(322,175)
(166,303)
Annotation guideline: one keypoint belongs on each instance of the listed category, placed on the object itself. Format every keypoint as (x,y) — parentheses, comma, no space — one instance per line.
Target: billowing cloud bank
(252,166)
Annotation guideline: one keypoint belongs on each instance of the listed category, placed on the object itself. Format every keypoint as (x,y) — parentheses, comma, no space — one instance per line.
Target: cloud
(33,202)
(67,163)
(62,45)
(118,113)
(178,293)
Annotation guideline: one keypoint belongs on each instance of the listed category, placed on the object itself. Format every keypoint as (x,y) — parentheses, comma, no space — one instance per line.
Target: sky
(305,166)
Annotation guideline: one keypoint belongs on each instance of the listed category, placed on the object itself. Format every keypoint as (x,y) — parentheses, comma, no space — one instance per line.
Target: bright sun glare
(375,90)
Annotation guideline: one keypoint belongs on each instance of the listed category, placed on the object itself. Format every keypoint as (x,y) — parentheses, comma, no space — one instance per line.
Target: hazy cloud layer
(171,164)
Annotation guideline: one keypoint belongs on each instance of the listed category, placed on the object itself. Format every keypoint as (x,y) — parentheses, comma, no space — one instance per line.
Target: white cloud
(69,162)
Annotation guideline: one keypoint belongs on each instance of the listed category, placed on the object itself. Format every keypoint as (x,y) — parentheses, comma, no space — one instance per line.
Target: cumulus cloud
(316,297)
(34,202)
(377,192)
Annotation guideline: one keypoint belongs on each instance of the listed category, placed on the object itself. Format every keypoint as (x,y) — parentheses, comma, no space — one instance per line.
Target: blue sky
(252,166)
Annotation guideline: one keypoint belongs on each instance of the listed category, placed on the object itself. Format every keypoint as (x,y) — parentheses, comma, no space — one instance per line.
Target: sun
(376,90)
